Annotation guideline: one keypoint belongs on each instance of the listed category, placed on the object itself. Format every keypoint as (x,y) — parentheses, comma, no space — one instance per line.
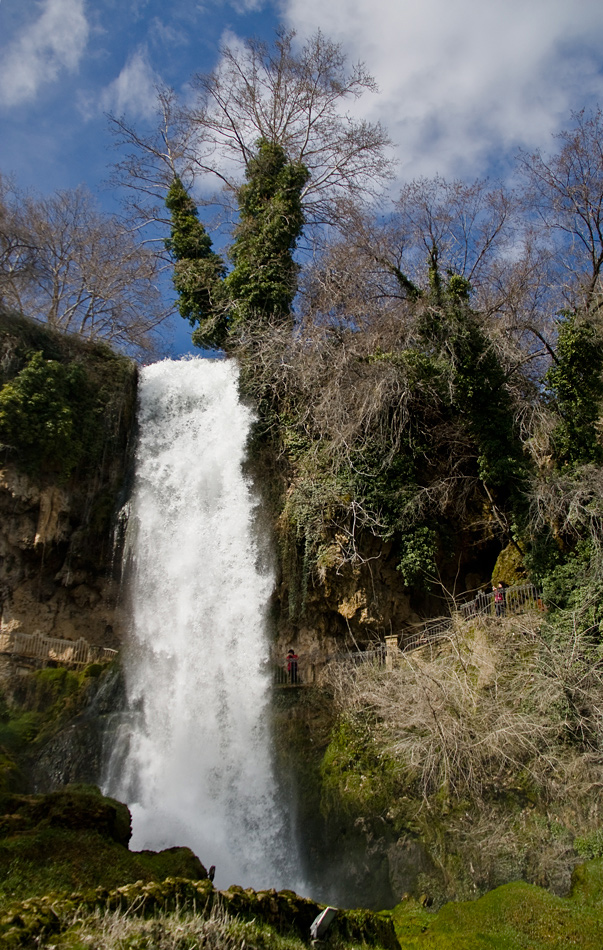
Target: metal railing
(375,655)
(428,633)
(311,665)
(66,652)
(281,676)
(515,600)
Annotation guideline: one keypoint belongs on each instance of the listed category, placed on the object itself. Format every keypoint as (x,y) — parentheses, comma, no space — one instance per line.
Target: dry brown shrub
(179,930)
(497,705)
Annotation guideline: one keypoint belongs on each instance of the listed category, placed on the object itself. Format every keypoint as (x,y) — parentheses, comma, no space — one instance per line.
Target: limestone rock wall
(57,574)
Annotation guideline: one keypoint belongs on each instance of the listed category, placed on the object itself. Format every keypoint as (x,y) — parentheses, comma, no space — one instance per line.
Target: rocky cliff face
(52,582)
(354,606)
(59,572)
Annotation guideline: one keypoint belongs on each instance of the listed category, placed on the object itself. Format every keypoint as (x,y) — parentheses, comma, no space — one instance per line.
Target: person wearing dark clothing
(292,666)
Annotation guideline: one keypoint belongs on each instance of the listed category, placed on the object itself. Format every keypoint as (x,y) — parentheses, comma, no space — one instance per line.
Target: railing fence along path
(516,600)
(67,652)
(310,665)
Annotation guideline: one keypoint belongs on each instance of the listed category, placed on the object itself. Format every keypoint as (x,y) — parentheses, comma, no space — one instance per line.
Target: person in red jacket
(499,600)
(292,666)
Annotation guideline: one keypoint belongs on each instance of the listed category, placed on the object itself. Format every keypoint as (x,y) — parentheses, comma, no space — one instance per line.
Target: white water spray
(194,760)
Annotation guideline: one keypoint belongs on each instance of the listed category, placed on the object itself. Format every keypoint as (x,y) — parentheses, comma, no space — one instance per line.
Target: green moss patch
(358,776)
(516,916)
(41,704)
(76,836)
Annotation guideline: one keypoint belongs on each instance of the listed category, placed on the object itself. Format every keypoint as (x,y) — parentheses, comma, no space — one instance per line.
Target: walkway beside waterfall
(311,666)
(36,646)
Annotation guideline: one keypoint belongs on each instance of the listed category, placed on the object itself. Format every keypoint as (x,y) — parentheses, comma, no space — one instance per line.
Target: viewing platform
(311,666)
(73,653)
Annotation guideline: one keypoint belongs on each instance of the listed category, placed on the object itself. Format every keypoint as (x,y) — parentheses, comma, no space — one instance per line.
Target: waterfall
(193,762)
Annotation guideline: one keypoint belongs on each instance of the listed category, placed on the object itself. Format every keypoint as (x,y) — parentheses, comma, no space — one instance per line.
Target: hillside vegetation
(428,383)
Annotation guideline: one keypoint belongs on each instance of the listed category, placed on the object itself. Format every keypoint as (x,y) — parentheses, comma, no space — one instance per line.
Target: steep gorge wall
(55,581)
(343,605)
(59,571)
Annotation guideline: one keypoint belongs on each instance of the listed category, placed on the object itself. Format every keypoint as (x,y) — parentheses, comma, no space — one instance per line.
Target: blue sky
(464,83)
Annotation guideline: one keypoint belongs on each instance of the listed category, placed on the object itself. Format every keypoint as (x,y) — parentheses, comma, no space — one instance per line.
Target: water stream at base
(192,756)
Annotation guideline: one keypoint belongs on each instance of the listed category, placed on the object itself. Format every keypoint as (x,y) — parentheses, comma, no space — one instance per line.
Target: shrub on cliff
(486,746)
(65,405)
(45,413)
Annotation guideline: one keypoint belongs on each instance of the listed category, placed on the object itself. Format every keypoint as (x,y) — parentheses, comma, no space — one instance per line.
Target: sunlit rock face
(58,575)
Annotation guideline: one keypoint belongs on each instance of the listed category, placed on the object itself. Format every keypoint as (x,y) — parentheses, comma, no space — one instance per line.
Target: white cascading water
(193,761)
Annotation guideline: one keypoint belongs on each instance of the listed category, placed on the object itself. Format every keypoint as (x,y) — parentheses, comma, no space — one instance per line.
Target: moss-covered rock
(285,912)
(515,916)
(509,568)
(52,725)
(58,841)
(76,808)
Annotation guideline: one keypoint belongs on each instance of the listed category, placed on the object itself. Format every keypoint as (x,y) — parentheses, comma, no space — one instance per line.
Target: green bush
(590,846)
(44,414)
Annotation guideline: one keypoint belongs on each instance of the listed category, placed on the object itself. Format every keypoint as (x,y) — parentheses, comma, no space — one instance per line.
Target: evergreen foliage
(198,271)
(44,414)
(480,393)
(575,385)
(66,411)
(263,281)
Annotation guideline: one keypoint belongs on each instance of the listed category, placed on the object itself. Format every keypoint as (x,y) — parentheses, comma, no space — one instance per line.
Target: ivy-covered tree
(263,281)
(575,384)
(480,394)
(198,271)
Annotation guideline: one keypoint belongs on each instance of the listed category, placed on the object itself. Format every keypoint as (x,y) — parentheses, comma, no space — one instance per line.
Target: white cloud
(248,6)
(134,90)
(164,35)
(466,81)
(56,40)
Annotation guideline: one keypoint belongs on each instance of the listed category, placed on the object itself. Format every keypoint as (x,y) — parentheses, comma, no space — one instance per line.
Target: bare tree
(151,160)
(17,252)
(377,271)
(292,98)
(463,228)
(565,193)
(88,275)
(457,228)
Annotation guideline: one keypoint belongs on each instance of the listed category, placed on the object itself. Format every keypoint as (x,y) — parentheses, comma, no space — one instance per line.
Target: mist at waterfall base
(192,756)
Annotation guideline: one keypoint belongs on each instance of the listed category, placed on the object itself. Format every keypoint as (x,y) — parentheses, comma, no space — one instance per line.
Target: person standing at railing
(292,659)
(499,600)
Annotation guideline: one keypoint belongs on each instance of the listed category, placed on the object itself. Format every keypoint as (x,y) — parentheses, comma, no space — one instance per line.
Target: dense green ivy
(198,271)
(575,388)
(46,414)
(480,397)
(65,405)
(263,281)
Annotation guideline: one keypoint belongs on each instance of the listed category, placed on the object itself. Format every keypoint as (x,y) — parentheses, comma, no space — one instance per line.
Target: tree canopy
(65,263)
